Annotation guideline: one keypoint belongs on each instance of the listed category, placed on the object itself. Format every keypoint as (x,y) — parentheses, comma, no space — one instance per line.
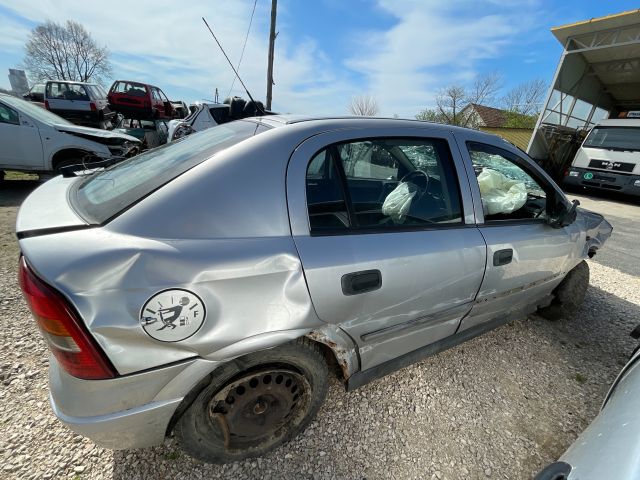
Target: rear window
(105,194)
(130,88)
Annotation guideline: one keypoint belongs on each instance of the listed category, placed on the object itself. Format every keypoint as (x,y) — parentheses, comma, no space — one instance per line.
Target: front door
(20,140)
(526,257)
(385,236)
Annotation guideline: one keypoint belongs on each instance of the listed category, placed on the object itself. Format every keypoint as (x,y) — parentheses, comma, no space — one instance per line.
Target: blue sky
(399,51)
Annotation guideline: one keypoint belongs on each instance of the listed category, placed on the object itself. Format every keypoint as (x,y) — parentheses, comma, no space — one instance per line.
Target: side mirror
(566,216)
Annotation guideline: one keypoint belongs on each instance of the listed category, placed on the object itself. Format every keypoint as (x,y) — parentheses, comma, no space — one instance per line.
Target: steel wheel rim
(260,408)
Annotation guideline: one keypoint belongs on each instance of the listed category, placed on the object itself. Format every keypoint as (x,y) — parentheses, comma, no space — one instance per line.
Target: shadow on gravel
(591,350)
(13,192)
(581,356)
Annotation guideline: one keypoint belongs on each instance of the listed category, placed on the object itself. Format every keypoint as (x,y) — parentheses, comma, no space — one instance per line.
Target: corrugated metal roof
(617,20)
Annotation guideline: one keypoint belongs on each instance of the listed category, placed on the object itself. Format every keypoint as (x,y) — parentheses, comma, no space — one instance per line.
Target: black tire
(255,403)
(569,295)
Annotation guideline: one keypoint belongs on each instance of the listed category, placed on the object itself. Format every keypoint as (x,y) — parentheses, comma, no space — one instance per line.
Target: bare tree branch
(452,101)
(526,98)
(65,52)
(363,105)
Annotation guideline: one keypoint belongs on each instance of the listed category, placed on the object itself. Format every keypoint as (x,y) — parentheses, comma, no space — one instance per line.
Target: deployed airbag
(500,194)
(398,202)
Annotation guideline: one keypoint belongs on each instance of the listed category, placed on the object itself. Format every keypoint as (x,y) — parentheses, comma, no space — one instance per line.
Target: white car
(36,140)
(204,115)
(78,102)
(209,114)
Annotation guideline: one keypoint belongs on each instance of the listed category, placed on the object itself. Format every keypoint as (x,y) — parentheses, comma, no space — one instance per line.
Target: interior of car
(385,189)
(512,193)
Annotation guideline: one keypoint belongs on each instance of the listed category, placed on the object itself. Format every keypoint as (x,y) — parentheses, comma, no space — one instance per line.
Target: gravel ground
(500,406)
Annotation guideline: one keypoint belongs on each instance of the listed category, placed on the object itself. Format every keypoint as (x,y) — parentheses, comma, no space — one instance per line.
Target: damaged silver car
(206,289)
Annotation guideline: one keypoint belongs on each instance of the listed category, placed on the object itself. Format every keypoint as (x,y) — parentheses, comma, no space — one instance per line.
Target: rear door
(526,257)
(396,271)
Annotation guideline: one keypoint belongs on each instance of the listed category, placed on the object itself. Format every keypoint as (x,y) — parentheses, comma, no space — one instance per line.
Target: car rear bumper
(603,180)
(132,411)
(138,427)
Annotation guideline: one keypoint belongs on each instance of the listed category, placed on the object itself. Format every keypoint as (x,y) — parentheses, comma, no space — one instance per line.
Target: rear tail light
(65,334)
(93,107)
(46,104)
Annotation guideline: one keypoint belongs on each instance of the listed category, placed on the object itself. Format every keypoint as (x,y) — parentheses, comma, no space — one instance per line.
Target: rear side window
(105,194)
(67,91)
(383,184)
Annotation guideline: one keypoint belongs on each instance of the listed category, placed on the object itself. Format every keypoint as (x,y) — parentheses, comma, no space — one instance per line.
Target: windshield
(34,111)
(107,193)
(614,138)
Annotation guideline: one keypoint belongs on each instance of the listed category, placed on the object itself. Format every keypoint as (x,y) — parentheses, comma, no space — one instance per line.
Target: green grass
(172,456)
(8,175)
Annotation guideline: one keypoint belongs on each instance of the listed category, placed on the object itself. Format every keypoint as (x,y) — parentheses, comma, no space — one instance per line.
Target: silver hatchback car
(206,288)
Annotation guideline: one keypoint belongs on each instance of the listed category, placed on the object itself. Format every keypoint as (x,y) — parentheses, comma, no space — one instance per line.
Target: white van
(609,158)
(80,103)
(35,140)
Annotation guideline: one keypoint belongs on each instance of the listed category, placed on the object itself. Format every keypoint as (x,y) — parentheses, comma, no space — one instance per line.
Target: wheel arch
(67,153)
(337,349)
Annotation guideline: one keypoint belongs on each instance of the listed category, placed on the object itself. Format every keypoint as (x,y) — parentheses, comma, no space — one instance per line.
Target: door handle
(502,257)
(361,282)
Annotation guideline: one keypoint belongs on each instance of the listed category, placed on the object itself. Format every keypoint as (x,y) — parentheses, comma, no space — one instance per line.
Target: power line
(243,46)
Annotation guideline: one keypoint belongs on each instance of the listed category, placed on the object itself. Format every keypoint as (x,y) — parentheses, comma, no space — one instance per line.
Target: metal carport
(598,77)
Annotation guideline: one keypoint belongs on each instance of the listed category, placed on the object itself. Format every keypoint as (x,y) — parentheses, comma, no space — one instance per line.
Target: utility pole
(272,40)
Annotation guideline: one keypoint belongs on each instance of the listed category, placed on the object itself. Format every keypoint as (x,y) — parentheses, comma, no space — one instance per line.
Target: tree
(363,105)
(526,98)
(65,52)
(452,101)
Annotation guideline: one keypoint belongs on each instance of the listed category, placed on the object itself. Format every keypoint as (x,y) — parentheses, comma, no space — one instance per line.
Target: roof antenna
(258,106)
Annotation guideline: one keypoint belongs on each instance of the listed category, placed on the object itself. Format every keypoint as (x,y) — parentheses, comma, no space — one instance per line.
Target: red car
(139,100)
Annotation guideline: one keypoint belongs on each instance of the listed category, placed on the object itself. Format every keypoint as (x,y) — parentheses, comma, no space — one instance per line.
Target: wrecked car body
(36,140)
(152,133)
(205,115)
(222,276)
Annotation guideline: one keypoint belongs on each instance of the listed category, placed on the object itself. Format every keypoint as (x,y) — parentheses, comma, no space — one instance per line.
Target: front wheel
(255,404)
(569,295)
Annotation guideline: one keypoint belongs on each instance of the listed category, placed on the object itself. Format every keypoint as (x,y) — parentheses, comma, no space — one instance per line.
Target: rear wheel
(255,403)
(569,295)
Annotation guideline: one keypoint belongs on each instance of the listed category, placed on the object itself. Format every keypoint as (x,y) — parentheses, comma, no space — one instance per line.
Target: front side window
(9,115)
(508,191)
(384,184)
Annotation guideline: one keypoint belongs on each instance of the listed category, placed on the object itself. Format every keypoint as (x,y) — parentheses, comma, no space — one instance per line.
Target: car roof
(331,122)
(135,83)
(71,81)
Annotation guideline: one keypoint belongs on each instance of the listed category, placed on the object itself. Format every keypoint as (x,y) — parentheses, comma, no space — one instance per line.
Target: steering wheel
(419,179)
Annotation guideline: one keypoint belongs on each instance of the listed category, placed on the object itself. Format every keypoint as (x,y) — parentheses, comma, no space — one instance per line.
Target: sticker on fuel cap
(172,315)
